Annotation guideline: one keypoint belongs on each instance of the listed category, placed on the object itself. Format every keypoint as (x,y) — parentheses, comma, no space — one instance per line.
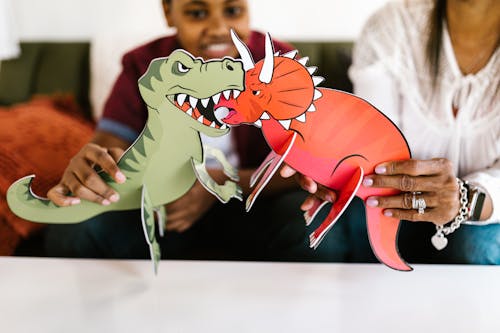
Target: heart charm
(439,241)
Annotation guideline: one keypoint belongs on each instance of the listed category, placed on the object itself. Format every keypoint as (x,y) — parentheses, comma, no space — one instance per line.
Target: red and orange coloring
(331,136)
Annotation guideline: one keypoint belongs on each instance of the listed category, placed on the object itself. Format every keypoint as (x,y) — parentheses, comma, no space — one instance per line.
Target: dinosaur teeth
(223,126)
(189,111)
(276,53)
(204,102)
(258,123)
(236,93)
(193,101)
(181,98)
(200,119)
(312,108)
(265,116)
(227,94)
(285,123)
(216,98)
(212,124)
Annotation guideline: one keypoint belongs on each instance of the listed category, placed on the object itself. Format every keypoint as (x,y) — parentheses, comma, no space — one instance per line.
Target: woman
(433,67)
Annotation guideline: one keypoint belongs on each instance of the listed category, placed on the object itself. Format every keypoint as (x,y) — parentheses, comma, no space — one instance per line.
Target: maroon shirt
(125,112)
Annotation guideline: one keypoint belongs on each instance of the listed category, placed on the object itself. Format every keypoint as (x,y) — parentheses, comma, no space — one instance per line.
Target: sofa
(46,115)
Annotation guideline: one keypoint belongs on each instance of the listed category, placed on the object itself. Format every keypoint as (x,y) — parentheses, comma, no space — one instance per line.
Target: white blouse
(389,70)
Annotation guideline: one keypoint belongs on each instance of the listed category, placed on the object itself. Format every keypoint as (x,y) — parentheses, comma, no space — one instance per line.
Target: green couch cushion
(47,68)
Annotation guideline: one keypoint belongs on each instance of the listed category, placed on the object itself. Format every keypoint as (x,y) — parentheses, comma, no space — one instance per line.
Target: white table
(61,295)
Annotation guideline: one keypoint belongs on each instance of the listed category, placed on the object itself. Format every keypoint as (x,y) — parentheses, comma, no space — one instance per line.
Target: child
(198,226)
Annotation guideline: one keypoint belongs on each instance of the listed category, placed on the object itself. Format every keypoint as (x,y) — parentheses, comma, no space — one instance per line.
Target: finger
(101,157)
(415,167)
(402,201)
(116,153)
(326,194)
(307,183)
(59,196)
(309,202)
(411,215)
(408,183)
(287,171)
(84,192)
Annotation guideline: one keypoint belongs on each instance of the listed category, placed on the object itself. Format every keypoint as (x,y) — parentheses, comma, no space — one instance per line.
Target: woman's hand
(317,192)
(81,179)
(183,213)
(435,180)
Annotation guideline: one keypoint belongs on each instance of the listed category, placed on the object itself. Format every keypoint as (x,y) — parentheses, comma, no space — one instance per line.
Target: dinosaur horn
(245,55)
(266,74)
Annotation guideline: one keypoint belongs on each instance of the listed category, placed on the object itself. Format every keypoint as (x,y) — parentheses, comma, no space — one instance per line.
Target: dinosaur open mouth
(202,109)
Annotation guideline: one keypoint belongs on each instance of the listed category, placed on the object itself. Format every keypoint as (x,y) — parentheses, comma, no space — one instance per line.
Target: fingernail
(114,198)
(106,202)
(120,177)
(380,169)
(367,182)
(74,201)
(329,198)
(388,213)
(372,202)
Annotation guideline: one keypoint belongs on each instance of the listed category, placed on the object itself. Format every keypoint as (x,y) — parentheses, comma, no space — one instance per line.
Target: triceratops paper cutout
(165,160)
(329,135)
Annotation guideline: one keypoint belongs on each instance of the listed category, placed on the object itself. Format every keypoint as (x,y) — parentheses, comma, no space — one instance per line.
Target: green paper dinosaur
(167,157)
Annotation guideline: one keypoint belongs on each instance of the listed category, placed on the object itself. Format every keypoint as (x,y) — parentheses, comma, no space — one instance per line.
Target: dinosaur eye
(181,68)
(256,92)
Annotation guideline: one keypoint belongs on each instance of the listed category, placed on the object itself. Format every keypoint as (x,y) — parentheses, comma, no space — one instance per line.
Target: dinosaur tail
(27,205)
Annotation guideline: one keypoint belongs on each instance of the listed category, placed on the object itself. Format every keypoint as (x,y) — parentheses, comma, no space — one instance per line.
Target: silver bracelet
(439,239)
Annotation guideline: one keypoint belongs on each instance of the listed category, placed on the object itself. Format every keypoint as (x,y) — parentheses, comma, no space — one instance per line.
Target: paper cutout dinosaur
(165,160)
(331,136)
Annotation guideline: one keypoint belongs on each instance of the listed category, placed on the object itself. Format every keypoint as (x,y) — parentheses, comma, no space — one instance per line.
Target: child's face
(203,25)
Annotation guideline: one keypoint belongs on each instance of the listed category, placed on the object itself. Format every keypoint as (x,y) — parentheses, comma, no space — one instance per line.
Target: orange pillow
(38,137)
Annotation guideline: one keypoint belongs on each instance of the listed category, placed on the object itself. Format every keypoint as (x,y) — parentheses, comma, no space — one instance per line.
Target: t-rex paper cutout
(165,160)
(331,136)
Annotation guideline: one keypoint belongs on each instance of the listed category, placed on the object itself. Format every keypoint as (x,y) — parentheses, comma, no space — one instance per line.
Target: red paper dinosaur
(331,136)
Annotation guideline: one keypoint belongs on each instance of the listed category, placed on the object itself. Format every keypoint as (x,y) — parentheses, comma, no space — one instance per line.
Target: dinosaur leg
(148,225)
(270,165)
(382,232)
(228,169)
(223,192)
(344,197)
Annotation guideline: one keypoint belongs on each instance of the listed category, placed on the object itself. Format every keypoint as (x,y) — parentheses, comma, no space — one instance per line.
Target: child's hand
(81,181)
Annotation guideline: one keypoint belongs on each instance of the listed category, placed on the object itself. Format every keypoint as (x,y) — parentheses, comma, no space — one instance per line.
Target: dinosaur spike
(181,98)
(193,101)
(139,146)
(312,69)
(265,116)
(148,134)
(290,54)
(312,108)
(302,118)
(303,60)
(127,167)
(236,93)
(246,56)
(317,94)
(317,80)
(216,98)
(285,123)
(258,123)
(266,73)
